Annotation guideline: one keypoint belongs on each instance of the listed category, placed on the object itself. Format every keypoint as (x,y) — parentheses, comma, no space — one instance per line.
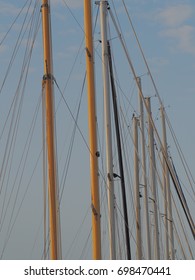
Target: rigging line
(180,244)
(77,233)
(123,93)
(17,119)
(162,189)
(72,115)
(16,48)
(118,235)
(13,101)
(47,247)
(119,148)
(72,14)
(72,142)
(182,157)
(157,93)
(182,226)
(70,73)
(74,119)
(74,63)
(129,131)
(182,200)
(18,15)
(183,230)
(85,245)
(69,79)
(157,202)
(13,224)
(132,183)
(74,239)
(120,223)
(116,16)
(184,186)
(27,188)
(29,138)
(16,123)
(75,16)
(188,215)
(129,179)
(14,130)
(36,239)
(130,229)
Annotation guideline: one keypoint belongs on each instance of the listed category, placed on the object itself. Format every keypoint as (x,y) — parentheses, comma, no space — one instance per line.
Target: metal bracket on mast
(98,3)
(45,6)
(48,77)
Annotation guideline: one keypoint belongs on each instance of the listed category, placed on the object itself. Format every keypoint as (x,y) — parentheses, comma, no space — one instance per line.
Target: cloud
(7,8)
(176,26)
(184,37)
(175,15)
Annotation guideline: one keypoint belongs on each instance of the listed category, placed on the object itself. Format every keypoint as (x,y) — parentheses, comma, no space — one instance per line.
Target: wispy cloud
(176,26)
(8,8)
(175,15)
(184,37)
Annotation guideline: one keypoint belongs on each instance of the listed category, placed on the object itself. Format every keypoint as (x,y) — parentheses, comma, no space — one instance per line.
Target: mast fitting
(94,211)
(48,77)
(88,53)
(45,5)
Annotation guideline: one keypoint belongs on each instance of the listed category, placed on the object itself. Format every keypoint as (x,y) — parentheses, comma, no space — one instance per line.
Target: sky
(166,31)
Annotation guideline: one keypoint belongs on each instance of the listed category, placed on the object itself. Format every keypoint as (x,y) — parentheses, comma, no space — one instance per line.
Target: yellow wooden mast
(96,236)
(48,84)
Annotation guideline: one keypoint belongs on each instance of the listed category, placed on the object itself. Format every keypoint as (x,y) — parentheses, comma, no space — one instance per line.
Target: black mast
(117,129)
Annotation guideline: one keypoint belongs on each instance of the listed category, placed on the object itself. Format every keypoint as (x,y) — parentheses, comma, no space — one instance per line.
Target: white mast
(168,205)
(137,193)
(153,181)
(109,159)
(144,170)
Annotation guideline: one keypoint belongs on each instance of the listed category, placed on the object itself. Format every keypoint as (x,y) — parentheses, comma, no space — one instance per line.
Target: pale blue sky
(166,30)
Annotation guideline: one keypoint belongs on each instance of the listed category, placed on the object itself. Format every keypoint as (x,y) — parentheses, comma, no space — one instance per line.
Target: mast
(119,148)
(168,205)
(109,159)
(137,193)
(153,182)
(164,176)
(50,129)
(96,237)
(44,174)
(144,169)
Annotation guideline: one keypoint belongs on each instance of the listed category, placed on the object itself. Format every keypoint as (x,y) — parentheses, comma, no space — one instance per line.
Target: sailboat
(67,184)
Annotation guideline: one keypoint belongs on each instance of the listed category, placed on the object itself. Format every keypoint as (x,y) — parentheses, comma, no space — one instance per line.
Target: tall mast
(168,212)
(144,169)
(153,181)
(137,193)
(164,177)
(109,159)
(119,148)
(50,129)
(96,236)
